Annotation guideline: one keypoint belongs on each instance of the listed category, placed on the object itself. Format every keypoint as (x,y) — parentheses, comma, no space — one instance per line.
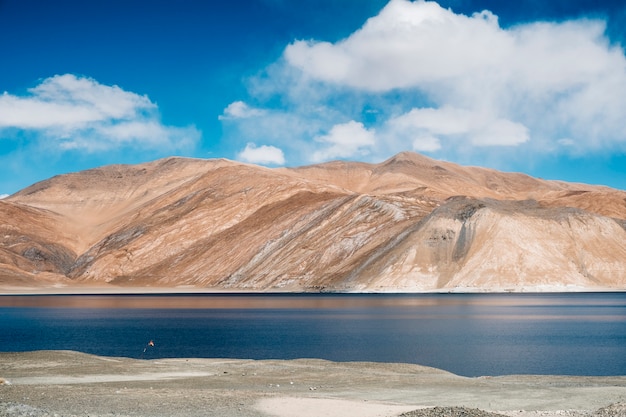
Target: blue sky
(534,86)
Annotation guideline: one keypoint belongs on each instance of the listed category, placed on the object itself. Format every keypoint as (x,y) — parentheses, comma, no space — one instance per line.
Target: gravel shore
(64,384)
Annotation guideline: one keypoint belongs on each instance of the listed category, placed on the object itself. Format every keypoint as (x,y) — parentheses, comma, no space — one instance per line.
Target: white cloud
(478,129)
(240,110)
(344,141)
(407,44)
(69,102)
(71,112)
(426,143)
(543,80)
(145,133)
(420,44)
(425,78)
(264,154)
(290,129)
(2,196)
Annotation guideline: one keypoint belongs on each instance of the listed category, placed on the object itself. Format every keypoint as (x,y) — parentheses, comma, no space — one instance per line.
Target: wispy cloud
(418,76)
(69,112)
(476,128)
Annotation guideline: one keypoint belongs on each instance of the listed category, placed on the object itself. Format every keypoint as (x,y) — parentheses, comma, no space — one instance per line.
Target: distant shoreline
(115,290)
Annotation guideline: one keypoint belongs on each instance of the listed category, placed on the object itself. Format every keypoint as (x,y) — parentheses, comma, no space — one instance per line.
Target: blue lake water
(468,334)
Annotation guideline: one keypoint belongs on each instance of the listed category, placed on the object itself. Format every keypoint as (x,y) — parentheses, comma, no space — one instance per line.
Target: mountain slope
(503,246)
(407,224)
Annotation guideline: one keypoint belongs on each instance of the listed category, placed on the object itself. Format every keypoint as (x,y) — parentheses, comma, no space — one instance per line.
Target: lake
(467,334)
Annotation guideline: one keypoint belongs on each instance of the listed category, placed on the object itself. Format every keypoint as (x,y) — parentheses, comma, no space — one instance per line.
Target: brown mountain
(408,224)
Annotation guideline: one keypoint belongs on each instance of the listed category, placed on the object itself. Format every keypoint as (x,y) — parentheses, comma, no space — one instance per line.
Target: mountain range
(408,224)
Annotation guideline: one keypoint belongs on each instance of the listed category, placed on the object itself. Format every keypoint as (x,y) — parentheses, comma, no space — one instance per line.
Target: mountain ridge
(410,223)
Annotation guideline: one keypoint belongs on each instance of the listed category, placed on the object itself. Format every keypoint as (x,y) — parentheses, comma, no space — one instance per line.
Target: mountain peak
(408,157)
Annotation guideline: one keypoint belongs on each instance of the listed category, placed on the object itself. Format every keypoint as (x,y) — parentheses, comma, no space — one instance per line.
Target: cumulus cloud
(425,78)
(264,154)
(343,141)
(405,45)
(69,102)
(240,110)
(73,112)
(420,44)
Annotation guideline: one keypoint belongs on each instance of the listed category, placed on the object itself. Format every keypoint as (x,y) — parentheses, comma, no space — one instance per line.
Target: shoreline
(68,383)
(6,290)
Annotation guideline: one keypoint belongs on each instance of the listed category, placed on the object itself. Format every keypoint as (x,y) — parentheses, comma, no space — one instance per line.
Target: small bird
(150,343)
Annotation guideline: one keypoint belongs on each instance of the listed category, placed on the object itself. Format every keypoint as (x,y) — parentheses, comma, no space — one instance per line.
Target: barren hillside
(407,224)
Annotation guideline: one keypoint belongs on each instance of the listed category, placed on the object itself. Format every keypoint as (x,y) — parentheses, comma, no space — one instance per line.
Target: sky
(533,86)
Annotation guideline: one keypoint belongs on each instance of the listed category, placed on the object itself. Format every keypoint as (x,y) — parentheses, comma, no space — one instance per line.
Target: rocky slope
(408,224)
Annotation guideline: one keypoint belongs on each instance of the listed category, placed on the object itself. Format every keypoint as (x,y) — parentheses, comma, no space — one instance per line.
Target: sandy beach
(63,383)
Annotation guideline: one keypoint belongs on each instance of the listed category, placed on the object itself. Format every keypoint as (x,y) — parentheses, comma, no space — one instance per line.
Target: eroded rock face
(505,246)
(407,224)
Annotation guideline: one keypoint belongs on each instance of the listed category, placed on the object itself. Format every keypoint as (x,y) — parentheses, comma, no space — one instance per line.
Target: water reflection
(469,334)
(465,304)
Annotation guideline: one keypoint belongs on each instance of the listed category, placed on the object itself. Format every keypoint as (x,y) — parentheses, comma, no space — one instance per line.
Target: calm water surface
(483,334)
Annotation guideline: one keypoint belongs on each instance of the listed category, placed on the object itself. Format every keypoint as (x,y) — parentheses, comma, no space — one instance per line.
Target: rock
(450,412)
(613,410)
